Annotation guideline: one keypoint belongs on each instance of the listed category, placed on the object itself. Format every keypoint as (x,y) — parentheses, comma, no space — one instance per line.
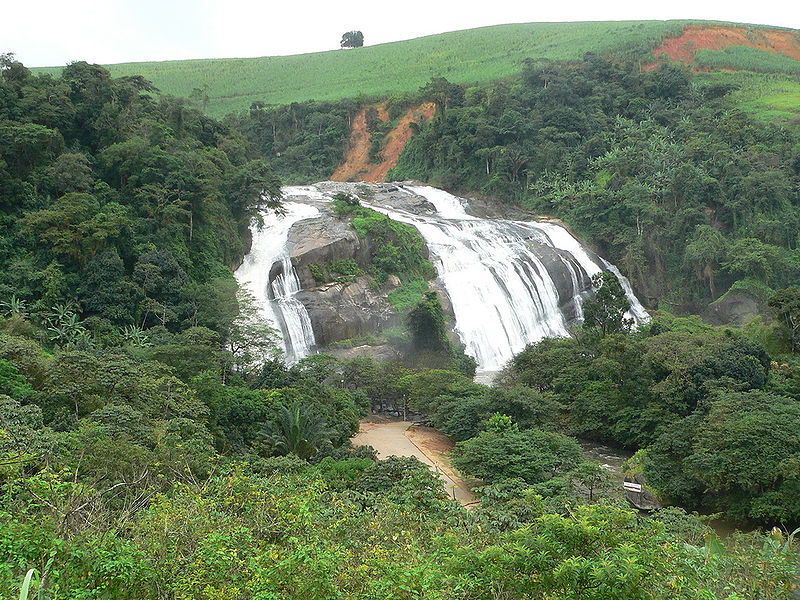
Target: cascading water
(510,283)
(277,301)
(496,274)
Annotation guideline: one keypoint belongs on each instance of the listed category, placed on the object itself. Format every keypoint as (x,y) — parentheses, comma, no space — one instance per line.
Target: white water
(277,302)
(502,294)
(494,271)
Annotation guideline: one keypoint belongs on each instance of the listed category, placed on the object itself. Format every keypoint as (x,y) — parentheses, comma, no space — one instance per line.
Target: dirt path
(424,443)
(357,166)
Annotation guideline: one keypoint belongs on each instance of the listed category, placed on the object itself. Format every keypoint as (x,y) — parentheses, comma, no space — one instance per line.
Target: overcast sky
(50,32)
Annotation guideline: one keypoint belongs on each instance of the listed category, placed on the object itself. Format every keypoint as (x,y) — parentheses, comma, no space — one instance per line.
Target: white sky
(54,32)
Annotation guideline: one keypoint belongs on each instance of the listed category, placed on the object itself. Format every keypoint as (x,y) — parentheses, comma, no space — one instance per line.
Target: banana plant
(15,307)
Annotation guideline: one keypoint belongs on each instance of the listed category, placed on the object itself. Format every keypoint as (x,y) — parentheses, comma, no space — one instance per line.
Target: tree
(427,324)
(786,303)
(606,311)
(352,39)
(298,430)
(705,252)
(503,451)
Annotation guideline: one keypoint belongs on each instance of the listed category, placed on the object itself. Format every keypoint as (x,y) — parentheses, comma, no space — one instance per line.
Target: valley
(509,312)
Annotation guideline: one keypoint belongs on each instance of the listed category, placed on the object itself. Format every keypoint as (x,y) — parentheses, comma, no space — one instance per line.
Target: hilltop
(464,57)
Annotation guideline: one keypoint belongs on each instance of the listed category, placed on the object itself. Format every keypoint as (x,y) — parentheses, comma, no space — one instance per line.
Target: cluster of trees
(352,39)
(153,443)
(128,208)
(679,188)
(133,472)
(713,418)
(304,141)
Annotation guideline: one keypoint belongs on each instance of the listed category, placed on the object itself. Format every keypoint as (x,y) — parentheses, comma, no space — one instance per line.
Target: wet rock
(341,311)
(644,500)
(382,194)
(323,240)
(381,353)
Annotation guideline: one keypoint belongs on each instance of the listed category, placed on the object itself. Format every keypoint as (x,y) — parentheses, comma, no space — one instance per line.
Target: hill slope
(468,56)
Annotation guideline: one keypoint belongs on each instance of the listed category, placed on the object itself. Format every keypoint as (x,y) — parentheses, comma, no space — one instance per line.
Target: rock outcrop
(646,499)
(733,308)
(347,309)
(341,311)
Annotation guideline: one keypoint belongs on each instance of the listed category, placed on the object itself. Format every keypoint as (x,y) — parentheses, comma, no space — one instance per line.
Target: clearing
(720,37)
(403,438)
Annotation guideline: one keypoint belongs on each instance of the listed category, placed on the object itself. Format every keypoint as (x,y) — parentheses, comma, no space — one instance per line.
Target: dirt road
(428,445)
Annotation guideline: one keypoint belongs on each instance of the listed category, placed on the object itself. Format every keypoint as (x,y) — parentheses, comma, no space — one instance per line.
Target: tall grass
(464,57)
(747,59)
(25,590)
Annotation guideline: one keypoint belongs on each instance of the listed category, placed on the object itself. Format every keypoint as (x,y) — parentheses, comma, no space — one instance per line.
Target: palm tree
(297,431)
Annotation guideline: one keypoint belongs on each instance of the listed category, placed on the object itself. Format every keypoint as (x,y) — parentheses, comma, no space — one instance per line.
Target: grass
(464,57)
(764,96)
(409,295)
(747,59)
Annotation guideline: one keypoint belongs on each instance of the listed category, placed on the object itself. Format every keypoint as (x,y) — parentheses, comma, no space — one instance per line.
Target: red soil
(357,166)
(719,37)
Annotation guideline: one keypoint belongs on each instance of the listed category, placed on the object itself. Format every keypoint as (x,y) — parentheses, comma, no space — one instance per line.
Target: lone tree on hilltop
(352,39)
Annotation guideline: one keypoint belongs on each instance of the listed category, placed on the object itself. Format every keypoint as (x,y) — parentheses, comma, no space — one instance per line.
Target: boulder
(734,308)
(341,311)
(644,500)
(381,353)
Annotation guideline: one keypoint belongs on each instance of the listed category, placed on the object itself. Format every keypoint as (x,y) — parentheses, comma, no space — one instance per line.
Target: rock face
(732,309)
(384,194)
(352,309)
(324,240)
(341,311)
(512,281)
(644,500)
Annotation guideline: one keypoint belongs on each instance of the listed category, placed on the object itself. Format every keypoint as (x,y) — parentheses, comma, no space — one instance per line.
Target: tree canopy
(352,39)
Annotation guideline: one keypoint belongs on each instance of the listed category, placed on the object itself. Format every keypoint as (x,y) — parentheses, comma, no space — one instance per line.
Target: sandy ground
(401,438)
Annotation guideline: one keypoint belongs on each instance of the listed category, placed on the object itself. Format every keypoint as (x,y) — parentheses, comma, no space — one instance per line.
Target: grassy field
(469,56)
(743,58)
(769,97)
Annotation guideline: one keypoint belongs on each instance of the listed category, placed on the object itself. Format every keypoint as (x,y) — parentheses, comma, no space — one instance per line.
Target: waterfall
(510,283)
(277,301)
(500,276)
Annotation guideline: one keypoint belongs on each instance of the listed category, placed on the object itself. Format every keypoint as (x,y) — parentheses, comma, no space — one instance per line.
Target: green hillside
(469,56)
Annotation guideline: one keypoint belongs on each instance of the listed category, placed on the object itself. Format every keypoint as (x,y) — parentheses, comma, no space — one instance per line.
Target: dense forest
(682,190)
(154,445)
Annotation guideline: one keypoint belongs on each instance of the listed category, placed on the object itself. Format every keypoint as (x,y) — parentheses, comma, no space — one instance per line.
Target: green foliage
(396,248)
(138,221)
(712,421)
(12,382)
(786,304)
(430,346)
(606,310)
(637,162)
(352,39)
(298,431)
(748,59)
(345,270)
(504,451)
(409,294)
(426,321)
(474,55)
